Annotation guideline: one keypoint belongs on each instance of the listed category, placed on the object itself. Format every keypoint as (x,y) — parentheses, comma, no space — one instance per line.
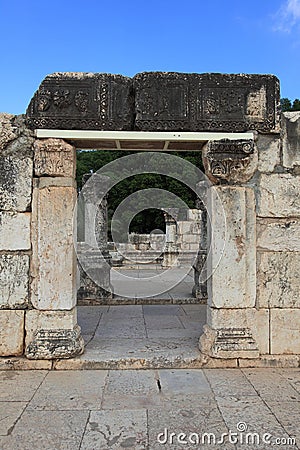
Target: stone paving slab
(140,409)
(14,386)
(9,414)
(63,391)
(116,430)
(47,430)
(271,385)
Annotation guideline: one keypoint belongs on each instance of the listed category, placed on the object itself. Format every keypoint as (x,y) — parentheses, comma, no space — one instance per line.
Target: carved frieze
(229,161)
(206,102)
(82,101)
(153,101)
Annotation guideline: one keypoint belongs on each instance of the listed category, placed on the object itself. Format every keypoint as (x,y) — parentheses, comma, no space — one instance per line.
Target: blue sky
(126,37)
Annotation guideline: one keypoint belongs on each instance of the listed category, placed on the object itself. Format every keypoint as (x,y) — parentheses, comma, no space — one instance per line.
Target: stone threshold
(141,301)
(86,362)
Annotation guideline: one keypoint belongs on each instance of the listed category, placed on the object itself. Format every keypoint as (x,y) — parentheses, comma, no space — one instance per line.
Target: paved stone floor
(140,409)
(178,280)
(139,336)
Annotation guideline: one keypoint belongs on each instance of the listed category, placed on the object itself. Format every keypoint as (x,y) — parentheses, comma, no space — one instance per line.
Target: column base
(55,344)
(228,343)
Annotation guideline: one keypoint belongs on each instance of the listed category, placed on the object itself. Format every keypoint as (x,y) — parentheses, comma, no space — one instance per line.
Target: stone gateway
(250,153)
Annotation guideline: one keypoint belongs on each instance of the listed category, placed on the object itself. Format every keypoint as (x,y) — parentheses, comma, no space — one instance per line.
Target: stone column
(235,328)
(170,256)
(94,260)
(51,327)
(200,267)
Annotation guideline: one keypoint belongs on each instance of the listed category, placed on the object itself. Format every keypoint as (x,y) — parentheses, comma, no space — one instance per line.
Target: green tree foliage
(287,105)
(150,219)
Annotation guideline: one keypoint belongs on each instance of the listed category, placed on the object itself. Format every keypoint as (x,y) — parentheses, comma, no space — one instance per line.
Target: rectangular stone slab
(206,102)
(83,101)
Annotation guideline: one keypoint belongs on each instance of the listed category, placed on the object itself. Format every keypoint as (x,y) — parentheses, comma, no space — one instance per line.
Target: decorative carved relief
(54,157)
(82,101)
(229,162)
(228,343)
(153,101)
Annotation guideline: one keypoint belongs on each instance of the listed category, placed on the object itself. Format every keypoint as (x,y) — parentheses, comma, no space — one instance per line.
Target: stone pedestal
(52,335)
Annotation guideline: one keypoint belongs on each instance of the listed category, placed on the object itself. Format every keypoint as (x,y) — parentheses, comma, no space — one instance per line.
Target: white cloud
(288,16)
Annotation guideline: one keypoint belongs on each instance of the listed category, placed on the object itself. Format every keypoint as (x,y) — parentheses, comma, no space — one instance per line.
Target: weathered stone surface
(19,387)
(116,429)
(278,234)
(82,101)
(11,332)
(268,147)
(278,195)
(228,343)
(55,158)
(284,331)
(52,334)
(232,258)
(230,162)
(291,139)
(66,390)
(210,102)
(47,430)
(7,130)
(22,363)
(9,414)
(282,361)
(15,231)
(15,182)
(278,280)
(163,101)
(14,281)
(257,321)
(53,257)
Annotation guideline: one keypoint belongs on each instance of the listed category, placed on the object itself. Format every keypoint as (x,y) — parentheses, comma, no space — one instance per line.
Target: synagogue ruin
(249,248)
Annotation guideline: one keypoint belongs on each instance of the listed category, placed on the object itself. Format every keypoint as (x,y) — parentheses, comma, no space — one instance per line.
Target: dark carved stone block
(229,162)
(206,102)
(154,101)
(82,101)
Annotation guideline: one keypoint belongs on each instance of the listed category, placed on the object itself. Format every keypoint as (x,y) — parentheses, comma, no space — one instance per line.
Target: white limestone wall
(16,171)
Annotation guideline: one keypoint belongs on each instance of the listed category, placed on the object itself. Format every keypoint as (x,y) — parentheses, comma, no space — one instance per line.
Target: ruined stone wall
(16,172)
(278,235)
(37,293)
(253,292)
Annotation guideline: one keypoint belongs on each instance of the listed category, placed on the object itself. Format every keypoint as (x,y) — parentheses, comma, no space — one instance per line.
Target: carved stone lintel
(84,101)
(153,101)
(230,161)
(228,343)
(52,344)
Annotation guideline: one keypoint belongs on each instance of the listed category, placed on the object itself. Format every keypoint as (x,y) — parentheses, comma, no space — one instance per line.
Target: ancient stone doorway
(253,171)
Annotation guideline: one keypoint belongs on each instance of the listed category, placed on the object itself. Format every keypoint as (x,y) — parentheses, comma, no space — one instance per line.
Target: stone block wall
(253,291)
(278,238)
(37,193)
(16,172)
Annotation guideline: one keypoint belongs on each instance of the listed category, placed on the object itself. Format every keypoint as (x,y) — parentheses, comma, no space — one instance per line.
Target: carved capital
(230,161)
(54,157)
